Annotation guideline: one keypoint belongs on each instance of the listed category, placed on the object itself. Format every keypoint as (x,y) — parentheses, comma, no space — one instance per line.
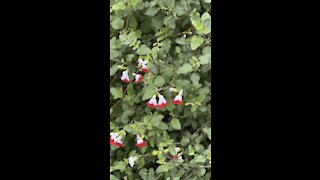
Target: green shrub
(172,40)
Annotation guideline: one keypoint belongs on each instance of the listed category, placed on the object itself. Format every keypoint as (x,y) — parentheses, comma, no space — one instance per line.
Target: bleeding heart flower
(132,160)
(162,102)
(138,78)
(140,142)
(125,77)
(178,99)
(115,140)
(153,102)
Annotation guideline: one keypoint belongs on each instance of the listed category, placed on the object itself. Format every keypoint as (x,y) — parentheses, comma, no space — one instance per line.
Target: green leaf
(152,11)
(185,68)
(172,149)
(196,22)
(114,53)
(205,16)
(199,159)
(115,43)
(134,2)
(207,1)
(156,120)
(179,10)
(181,41)
(175,123)
(168,72)
(191,150)
(113,69)
(162,168)
(116,92)
(143,50)
(196,42)
(120,165)
(119,6)
(201,172)
(184,141)
(148,93)
(205,59)
(113,177)
(195,77)
(207,130)
(163,126)
(117,23)
(159,81)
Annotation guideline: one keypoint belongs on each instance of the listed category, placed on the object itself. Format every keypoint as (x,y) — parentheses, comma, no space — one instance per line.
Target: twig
(115,60)
(127,25)
(202,127)
(194,171)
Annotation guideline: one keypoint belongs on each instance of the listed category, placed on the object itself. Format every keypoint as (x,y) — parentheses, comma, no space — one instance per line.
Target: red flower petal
(141,145)
(177,102)
(175,157)
(151,105)
(115,143)
(126,80)
(163,105)
(139,80)
(145,70)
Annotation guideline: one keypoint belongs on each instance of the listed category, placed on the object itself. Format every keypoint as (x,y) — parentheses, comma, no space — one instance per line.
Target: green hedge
(164,45)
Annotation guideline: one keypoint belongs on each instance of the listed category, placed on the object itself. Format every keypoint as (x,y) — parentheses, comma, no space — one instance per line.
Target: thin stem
(202,127)
(115,60)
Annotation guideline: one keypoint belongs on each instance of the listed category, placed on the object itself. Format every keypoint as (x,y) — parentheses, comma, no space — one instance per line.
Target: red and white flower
(138,78)
(143,65)
(153,102)
(115,139)
(162,102)
(178,156)
(125,77)
(178,99)
(140,142)
(144,68)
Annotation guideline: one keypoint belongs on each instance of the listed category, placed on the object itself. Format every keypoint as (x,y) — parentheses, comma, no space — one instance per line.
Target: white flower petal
(132,160)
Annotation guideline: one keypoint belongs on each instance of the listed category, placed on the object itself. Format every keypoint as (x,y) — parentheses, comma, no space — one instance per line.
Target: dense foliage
(160,75)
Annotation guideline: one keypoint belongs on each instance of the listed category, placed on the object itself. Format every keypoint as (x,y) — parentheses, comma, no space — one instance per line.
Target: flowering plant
(160,78)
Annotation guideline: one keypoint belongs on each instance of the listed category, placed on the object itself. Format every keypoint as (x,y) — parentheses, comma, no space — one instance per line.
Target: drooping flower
(125,77)
(140,142)
(143,65)
(178,99)
(115,139)
(132,160)
(178,156)
(144,68)
(138,78)
(153,102)
(162,102)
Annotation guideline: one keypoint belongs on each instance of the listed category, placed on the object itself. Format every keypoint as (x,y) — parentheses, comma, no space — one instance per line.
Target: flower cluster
(138,76)
(163,102)
(115,140)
